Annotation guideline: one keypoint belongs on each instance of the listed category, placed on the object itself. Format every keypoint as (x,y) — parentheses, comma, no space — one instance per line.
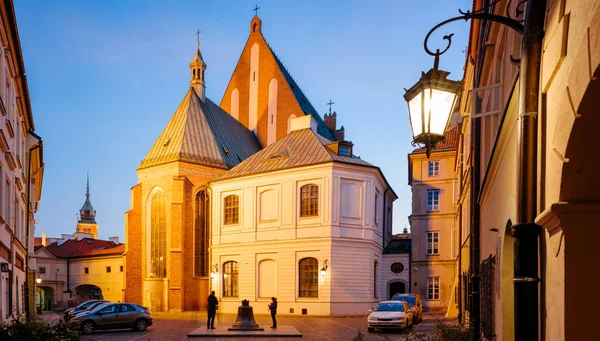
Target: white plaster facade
(347,235)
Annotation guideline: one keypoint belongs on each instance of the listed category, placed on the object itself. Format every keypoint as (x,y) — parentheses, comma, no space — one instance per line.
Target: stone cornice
(561,214)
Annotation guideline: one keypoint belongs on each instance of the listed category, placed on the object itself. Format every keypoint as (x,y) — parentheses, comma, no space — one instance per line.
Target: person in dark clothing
(273,309)
(212,310)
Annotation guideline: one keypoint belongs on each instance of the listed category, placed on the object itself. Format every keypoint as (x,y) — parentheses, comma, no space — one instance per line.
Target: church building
(254,198)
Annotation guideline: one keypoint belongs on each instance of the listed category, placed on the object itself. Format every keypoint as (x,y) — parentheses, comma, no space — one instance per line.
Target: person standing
(212,310)
(273,309)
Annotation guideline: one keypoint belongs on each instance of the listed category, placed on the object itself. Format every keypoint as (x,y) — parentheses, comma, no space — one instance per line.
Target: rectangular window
(232,204)
(433,288)
(433,200)
(8,198)
(86,270)
(121,268)
(434,168)
(42,270)
(108,269)
(376,214)
(309,201)
(432,243)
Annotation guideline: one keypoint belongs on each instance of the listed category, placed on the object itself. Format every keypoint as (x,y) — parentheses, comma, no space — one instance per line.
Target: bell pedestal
(245,319)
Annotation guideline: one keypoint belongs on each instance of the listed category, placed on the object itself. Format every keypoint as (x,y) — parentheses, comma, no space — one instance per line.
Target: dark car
(414,300)
(69,313)
(113,316)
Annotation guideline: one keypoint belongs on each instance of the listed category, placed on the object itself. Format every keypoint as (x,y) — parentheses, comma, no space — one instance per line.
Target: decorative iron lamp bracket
(437,78)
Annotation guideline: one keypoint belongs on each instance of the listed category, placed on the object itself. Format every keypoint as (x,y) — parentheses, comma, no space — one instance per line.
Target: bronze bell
(245,318)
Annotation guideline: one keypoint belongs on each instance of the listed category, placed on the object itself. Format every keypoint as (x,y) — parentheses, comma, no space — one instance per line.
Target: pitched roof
(298,148)
(303,100)
(201,132)
(85,247)
(450,142)
(398,246)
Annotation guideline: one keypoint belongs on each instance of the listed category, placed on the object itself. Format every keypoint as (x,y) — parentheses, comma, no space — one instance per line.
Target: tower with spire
(86,223)
(197,69)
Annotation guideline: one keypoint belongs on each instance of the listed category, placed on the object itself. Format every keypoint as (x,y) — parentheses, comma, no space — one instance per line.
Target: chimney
(303,122)
(331,121)
(115,240)
(339,134)
(44,239)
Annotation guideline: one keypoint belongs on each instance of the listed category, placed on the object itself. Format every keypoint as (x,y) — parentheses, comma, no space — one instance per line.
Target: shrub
(18,330)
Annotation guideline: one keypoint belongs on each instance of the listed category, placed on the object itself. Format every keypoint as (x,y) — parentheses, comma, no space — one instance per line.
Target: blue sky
(106,76)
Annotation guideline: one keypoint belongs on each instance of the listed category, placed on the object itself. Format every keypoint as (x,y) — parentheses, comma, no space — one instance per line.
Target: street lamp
(430,103)
(38,280)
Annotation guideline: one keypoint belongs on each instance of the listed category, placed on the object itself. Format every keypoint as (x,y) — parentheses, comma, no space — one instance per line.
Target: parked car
(69,313)
(113,316)
(414,300)
(389,315)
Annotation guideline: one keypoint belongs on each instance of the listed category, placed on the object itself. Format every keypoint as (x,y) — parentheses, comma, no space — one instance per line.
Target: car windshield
(390,307)
(85,305)
(97,307)
(408,299)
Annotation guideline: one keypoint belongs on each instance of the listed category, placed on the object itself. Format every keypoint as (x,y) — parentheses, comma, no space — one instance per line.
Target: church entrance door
(397,288)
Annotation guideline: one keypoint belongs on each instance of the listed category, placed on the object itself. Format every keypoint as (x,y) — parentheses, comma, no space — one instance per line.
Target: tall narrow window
(231,205)
(308,278)
(375,264)
(230,279)
(309,201)
(433,200)
(201,236)
(376,213)
(158,236)
(432,243)
(433,288)
(434,168)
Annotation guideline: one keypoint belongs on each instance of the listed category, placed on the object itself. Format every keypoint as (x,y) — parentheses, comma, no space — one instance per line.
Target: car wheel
(140,325)
(371,330)
(88,327)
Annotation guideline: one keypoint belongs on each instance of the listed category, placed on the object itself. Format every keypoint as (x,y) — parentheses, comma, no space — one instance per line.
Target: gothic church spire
(198,68)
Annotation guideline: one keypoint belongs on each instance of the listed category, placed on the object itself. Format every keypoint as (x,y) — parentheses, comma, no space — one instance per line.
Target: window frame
(86,271)
(433,201)
(108,269)
(308,277)
(433,243)
(433,168)
(42,270)
(231,210)
(433,288)
(310,211)
(231,279)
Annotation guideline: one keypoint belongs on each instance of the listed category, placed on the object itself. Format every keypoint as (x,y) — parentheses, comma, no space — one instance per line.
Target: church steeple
(87,214)
(197,68)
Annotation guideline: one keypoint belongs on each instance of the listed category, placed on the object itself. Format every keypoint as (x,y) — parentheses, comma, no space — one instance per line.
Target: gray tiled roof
(202,133)
(303,100)
(398,246)
(298,148)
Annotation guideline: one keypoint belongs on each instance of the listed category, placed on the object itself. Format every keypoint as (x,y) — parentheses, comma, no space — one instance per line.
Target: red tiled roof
(85,248)
(449,142)
(37,241)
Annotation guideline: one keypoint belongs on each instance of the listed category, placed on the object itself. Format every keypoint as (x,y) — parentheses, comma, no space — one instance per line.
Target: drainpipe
(526,232)
(27,294)
(459,270)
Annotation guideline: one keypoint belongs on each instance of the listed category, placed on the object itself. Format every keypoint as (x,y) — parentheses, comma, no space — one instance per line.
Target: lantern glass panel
(416,114)
(438,105)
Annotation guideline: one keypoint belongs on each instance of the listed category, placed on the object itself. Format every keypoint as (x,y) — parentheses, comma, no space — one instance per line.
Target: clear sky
(106,76)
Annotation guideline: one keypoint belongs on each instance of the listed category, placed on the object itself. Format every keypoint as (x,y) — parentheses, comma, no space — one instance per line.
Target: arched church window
(201,237)
(309,201)
(158,236)
(231,209)
(308,285)
(230,279)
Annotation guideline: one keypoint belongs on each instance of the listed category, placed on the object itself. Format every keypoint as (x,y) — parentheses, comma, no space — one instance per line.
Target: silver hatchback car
(114,316)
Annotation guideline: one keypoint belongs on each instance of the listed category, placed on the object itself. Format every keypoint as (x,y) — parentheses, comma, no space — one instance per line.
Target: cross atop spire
(256,8)
(330,103)
(198,38)
(87,192)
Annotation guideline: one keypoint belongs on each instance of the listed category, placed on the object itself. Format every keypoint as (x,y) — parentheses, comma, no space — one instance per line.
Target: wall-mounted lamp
(4,267)
(324,268)
(215,271)
(38,280)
